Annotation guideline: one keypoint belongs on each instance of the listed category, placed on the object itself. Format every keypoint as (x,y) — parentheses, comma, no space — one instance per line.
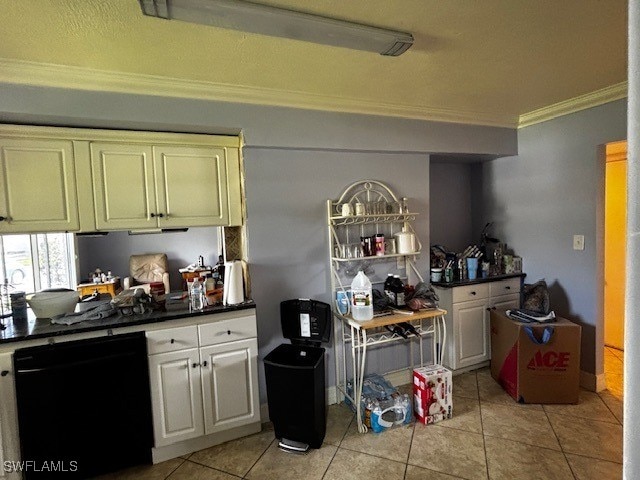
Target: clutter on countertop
(133,301)
(98,312)
(490,259)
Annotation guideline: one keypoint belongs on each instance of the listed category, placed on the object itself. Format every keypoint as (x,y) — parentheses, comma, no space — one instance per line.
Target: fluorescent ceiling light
(278,22)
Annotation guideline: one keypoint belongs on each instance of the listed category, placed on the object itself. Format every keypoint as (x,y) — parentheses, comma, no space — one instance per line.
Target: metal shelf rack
(391,216)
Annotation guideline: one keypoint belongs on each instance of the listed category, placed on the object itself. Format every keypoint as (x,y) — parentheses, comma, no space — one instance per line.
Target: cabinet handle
(195,365)
(204,364)
(2,219)
(507,287)
(173,340)
(4,373)
(153,215)
(472,293)
(161,215)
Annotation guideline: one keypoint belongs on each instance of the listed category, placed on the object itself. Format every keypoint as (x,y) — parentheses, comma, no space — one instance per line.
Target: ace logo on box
(556,361)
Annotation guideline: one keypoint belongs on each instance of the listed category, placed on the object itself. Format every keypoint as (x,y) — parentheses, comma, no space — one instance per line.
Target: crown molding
(71,77)
(582,102)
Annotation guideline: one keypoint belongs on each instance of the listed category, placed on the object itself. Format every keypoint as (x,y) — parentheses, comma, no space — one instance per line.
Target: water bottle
(196,295)
(361,298)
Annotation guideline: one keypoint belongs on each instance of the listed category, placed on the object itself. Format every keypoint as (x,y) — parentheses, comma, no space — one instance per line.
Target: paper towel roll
(233,285)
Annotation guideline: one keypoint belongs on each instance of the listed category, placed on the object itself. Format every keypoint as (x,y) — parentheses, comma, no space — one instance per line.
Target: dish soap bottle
(362,298)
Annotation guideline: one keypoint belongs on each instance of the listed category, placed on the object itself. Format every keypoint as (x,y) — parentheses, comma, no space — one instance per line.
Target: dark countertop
(43,328)
(460,283)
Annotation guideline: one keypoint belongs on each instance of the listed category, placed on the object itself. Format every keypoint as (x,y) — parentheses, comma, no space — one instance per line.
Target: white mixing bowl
(49,304)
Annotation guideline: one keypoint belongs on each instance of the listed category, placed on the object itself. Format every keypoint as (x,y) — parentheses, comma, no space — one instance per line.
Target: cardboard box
(432,394)
(530,372)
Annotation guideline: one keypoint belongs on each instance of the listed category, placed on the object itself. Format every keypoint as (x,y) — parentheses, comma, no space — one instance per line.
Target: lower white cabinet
(467,319)
(204,379)
(9,440)
(176,392)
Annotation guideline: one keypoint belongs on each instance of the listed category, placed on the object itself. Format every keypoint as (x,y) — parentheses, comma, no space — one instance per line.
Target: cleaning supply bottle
(361,298)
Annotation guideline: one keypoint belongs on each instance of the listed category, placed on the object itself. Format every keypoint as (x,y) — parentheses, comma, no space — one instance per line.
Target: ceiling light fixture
(266,20)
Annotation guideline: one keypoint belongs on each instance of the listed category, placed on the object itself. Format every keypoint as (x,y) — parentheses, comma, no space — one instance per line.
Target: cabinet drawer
(504,287)
(227,330)
(172,339)
(470,292)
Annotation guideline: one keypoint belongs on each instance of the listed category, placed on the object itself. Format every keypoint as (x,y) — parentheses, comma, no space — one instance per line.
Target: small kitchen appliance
(295,376)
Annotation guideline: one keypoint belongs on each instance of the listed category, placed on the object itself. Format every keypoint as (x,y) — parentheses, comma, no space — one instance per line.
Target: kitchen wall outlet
(578,242)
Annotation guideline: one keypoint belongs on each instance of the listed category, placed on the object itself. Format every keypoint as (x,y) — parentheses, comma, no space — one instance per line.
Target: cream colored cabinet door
(124,190)
(191,183)
(38,186)
(176,396)
(9,442)
(471,333)
(230,385)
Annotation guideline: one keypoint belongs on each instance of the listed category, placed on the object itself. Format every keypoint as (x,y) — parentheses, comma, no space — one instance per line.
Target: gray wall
(552,190)
(450,212)
(262,126)
(295,161)
(112,252)
(288,248)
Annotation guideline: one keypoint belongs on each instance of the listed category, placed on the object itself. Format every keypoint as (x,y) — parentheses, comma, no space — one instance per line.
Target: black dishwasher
(84,406)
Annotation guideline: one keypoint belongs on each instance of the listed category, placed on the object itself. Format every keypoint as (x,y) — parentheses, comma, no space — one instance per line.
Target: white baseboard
(592,382)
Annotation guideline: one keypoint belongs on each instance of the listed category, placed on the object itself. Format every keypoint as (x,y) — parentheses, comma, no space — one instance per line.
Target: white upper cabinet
(144,186)
(65,179)
(123,186)
(37,186)
(191,186)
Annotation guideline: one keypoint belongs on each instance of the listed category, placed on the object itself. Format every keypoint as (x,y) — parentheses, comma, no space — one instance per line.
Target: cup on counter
(436,275)
(472,268)
(448,274)
(359,209)
(485,269)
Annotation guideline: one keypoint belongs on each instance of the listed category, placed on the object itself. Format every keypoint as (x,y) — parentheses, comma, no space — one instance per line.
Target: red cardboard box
(545,369)
(432,394)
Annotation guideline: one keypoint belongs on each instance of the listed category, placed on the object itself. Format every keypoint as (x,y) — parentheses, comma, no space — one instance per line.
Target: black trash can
(295,376)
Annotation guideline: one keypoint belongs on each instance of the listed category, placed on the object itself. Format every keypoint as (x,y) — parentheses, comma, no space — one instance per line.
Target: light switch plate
(578,242)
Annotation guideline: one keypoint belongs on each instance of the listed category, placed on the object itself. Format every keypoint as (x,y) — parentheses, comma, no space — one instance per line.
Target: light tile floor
(489,437)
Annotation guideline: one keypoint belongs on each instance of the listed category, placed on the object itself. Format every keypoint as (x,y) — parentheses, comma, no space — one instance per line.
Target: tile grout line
(484,443)
(338,446)
(564,454)
(261,455)
(212,468)
(406,465)
(177,467)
